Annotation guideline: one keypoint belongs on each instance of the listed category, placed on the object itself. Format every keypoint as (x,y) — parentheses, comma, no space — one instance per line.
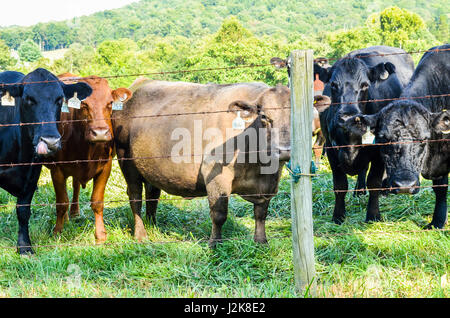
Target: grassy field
(384,259)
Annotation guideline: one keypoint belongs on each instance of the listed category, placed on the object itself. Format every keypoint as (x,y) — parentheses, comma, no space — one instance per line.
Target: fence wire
(76,79)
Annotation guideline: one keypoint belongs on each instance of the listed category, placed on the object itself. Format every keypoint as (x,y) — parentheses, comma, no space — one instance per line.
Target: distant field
(352,260)
(54,55)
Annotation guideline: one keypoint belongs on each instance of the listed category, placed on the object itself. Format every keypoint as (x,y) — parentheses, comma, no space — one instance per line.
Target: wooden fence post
(302,98)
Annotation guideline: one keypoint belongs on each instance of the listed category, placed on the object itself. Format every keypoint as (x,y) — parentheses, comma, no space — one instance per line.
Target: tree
(6,60)
(29,51)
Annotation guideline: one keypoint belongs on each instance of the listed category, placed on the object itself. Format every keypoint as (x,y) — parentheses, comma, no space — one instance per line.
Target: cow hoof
(261,240)
(100,239)
(141,235)
(57,231)
(74,214)
(376,218)
(25,251)
(338,220)
(212,243)
(432,226)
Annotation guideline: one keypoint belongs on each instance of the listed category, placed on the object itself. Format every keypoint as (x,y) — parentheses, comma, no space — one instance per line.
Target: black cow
(418,119)
(361,76)
(38,99)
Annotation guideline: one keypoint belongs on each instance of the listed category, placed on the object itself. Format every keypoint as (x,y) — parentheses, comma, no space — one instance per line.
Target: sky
(29,12)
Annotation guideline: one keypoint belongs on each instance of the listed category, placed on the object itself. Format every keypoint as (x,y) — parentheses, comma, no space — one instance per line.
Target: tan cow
(201,150)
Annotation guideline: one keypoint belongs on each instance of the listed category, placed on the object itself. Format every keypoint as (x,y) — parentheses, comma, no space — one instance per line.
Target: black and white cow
(29,133)
(406,123)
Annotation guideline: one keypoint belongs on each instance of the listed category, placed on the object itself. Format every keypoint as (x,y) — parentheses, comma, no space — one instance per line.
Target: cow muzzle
(48,146)
(284,153)
(405,186)
(99,135)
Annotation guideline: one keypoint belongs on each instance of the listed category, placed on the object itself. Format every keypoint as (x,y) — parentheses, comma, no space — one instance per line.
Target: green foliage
(195,19)
(6,60)
(140,50)
(393,27)
(29,51)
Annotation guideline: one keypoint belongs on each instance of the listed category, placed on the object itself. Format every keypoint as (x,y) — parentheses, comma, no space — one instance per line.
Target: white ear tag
(118,105)
(8,100)
(368,137)
(65,107)
(74,102)
(238,122)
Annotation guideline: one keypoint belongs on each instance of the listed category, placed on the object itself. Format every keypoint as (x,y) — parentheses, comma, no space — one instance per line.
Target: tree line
(232,44)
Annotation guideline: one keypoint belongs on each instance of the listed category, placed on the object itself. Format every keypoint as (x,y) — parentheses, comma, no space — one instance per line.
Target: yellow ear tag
(368,137)
(238,122)
(8,100)
(74,102)
(65,107)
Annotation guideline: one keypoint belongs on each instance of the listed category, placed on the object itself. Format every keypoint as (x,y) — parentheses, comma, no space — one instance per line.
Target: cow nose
(100,134)
(405,187)
(53,144)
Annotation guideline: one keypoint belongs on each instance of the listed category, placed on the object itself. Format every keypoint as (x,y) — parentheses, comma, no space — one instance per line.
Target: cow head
(323,69)
(404,125)
(40,96)
(272,112)
(95,112)
(350,83)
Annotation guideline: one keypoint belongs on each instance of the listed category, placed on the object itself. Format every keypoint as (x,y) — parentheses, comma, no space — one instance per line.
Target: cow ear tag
(368,137)
(65,107)
(118,105)
(238,122)
(8,100)
(74,102)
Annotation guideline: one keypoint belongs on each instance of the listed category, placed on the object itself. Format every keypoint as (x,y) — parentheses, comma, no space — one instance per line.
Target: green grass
(383,259)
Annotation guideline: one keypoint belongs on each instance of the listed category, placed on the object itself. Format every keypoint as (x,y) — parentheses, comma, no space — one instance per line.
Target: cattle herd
(233,139)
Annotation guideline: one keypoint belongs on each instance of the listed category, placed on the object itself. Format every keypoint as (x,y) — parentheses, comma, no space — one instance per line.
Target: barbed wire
(325,59)
(72,79)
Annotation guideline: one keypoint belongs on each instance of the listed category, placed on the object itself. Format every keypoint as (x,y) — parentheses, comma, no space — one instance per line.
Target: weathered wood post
(302,98)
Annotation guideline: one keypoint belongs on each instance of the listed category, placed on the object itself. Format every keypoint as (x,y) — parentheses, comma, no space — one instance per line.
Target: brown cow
(321,102)
(89,137)
(221,158)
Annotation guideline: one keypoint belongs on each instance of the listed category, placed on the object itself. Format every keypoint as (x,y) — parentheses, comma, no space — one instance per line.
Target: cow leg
(98,195)
(74,206)
(62,200)
(260,211)
(23,216)
(440,208)
(23,210)
(218,195)
(152,195)
(361,184)
(218,213)
(374,181)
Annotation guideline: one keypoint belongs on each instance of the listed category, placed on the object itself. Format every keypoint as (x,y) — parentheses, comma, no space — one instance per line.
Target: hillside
(197,18)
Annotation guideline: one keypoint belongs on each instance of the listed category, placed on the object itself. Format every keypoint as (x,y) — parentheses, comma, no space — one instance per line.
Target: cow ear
(440,122)
(15,90)
(278,62)
(246,109)
(83,90)
(381,71)
(323,72)
(321,103)
(122,94)
(370,121)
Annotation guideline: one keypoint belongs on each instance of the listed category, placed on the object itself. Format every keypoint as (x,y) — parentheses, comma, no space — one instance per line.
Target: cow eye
(334,85)
(30,101)
(364,86)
